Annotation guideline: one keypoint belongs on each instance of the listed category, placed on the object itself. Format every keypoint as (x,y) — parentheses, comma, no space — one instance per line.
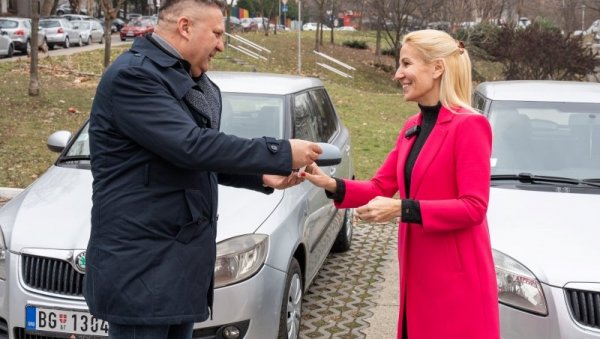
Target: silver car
(59,31)
(6,45)
(89,30)
(19,30)
(542,210)
(270,247)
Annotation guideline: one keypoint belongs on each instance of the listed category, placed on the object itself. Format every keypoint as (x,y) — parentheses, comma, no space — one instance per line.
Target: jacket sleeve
(384,183)
(145,111)
(473,144)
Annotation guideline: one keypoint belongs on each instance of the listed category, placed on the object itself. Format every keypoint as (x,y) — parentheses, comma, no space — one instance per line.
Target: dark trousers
(181,331)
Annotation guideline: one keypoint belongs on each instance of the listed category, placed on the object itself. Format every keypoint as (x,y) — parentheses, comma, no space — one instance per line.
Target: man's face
(205,38)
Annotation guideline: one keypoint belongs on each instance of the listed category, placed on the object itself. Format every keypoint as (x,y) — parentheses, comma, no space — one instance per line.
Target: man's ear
(438,68)
(183,26)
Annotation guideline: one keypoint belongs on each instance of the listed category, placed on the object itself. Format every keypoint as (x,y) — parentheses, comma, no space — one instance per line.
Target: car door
(4,44)
(312,122)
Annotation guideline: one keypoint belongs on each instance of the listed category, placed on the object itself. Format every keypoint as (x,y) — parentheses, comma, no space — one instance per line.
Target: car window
(49,23)
(305,124)
(81,145)
(479,103)
(325,115)
(252,116)
(554,139)
(8,24)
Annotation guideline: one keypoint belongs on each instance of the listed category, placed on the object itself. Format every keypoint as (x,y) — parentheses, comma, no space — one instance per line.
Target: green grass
(370,104)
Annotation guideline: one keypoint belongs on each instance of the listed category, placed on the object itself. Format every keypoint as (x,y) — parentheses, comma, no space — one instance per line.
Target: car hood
(54,212)
(555,235)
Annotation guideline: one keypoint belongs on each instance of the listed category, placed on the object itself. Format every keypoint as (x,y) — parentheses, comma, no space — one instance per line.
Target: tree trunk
(110,14)
(47,7)
(34,84)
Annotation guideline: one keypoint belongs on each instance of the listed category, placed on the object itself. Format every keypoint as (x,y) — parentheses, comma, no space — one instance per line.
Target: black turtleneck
(411,210)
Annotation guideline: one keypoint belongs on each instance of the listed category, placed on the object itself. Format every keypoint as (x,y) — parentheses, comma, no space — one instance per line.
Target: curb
(9,193)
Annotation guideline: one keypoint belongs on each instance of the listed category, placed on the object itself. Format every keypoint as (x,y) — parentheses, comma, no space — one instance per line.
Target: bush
(358,44)
(540,52)
(389,51)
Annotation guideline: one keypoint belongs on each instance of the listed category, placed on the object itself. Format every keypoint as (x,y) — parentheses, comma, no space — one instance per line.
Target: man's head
(195,28)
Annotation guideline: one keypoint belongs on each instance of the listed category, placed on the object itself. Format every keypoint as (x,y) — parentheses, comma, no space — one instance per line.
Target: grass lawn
(370,104)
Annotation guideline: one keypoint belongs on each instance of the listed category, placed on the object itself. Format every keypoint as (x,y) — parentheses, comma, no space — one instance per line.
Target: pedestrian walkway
(355,295)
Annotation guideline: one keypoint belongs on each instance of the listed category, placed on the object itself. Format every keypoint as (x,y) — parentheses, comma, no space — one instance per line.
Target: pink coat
(447,277)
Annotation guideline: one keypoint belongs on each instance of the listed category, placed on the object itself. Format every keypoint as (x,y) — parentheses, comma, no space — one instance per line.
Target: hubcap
(349,223)
(294,307)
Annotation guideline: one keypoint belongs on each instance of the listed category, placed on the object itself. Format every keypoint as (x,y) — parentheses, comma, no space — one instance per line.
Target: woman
(440,167)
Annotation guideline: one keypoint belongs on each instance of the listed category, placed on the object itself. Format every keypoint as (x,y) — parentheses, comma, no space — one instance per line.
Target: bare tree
(47,7)
(34,84)
(319,32)
(75,6)
(394,18)
(110,13)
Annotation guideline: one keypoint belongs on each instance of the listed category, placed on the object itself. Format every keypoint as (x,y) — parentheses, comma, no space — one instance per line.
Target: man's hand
(280,182)
(380,209)
(304,152)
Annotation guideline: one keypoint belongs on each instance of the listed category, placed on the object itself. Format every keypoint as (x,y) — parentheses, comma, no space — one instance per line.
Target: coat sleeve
(472,149)
(145,111)
(384,182)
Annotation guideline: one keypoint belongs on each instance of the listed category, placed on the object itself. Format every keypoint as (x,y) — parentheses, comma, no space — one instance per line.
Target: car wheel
(344,238)
(291,305)
(67,43)
(89,41)
(44,47)
(10,51)
(80,43)
(102,40)
(122,39)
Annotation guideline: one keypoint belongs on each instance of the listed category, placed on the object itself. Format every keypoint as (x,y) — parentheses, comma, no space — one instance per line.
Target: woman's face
(420,80)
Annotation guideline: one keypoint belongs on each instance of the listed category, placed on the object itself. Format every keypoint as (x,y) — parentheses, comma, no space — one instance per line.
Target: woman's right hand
(317,177)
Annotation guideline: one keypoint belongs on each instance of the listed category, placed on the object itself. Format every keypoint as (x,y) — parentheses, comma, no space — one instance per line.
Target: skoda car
(544,199)
(270,247)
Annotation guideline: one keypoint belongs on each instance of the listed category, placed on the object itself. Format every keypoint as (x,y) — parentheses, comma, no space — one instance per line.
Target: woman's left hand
(380,209)
(280,182)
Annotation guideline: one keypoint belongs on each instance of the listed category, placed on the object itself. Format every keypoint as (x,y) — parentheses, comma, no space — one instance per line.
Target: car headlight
(239,258)
(3,252)
(517,286)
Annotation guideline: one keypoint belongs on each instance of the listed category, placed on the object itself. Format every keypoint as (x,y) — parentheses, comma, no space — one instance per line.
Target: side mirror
(331,155)
(57,141)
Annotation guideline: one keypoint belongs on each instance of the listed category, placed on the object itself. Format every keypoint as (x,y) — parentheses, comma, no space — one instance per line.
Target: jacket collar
(158,54)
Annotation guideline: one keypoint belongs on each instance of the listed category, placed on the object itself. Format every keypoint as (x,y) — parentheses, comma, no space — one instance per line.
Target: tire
(291,305)
(89,41)
(50,46)
(67,43)
(343,242)
(44,47)
(102,40)
(80,43)
(11,51)
(122,39)
(27,49)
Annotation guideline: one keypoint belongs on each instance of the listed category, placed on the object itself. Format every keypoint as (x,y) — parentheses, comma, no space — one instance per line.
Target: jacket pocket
(199,211)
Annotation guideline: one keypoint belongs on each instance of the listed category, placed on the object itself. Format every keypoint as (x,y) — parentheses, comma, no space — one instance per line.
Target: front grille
(51,275)
(584,306)
(3,329)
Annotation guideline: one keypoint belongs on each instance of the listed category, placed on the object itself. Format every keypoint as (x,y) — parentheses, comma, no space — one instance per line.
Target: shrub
(358,44)
(389,51)
(540,52)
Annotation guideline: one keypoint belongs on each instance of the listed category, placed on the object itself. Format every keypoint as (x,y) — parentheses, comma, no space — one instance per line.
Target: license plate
(130,34)
(63,321)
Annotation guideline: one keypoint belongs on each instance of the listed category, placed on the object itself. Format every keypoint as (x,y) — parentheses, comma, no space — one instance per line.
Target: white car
(6,45)
(312,26)
(544,197)
(269,247)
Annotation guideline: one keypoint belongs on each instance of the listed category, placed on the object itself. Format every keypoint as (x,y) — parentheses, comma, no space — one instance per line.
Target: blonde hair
(455,86)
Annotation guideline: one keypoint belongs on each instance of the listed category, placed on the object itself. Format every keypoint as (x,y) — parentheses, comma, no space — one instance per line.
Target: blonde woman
(440,166)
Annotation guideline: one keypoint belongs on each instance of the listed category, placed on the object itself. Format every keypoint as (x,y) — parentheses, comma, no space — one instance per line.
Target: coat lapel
(403,150)
(430,149)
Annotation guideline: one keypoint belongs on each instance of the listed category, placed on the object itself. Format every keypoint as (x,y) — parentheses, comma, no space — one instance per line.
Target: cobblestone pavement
(339,300)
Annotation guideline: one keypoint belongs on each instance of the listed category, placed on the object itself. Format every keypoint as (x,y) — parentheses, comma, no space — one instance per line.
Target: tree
(48,7)
(34,84)
(393,19)
(110,13)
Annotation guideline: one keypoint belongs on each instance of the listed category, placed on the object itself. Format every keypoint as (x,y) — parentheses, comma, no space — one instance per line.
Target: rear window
(8,24)
(49,23)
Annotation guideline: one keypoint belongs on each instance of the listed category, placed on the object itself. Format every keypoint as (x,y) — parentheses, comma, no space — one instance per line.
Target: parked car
(312,26)
(19,31)
(249,25)
(545,191)
(136,28)
(235,24)
(59,31)
(346,28)
(89,30)
(270,247)
(6,45)
(76,17)
(66,9)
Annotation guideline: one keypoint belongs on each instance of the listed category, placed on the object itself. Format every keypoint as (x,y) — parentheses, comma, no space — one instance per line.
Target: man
(157,158)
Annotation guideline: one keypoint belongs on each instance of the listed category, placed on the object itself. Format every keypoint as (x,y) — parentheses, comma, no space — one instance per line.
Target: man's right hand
(304,152)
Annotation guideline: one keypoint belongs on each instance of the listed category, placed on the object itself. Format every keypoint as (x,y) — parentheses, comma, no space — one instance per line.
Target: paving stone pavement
(339,301)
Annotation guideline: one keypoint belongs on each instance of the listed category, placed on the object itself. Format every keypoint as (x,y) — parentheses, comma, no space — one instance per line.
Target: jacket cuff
(340,191)
(411,211)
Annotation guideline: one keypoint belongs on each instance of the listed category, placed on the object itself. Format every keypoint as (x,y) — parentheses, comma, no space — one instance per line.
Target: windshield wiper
(533,179)
(75,158)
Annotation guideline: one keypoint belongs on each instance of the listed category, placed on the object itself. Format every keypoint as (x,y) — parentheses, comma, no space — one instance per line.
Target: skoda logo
(79,262)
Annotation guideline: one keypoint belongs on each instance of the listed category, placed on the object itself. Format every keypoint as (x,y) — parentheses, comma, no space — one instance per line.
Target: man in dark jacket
(157,157)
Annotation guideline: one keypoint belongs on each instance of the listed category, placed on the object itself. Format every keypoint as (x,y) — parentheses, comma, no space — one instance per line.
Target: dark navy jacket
(156,166)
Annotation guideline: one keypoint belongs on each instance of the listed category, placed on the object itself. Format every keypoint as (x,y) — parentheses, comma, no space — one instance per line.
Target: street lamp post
(299,36)
(583,17)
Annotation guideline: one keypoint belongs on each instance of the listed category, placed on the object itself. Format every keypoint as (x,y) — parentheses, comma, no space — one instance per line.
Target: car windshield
(543,138)
(247,116)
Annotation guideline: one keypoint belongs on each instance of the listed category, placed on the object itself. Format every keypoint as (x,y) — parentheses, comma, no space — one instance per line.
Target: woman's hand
(317,177)
(280,182)
(380,209)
